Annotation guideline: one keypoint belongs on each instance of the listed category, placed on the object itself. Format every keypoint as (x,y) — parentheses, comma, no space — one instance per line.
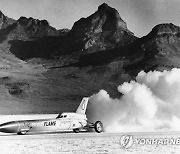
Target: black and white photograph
(89,76)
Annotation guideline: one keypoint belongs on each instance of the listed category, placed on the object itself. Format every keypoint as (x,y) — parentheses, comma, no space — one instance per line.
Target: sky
(140,15)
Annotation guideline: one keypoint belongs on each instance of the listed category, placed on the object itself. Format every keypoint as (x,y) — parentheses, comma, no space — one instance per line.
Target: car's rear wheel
(98,126)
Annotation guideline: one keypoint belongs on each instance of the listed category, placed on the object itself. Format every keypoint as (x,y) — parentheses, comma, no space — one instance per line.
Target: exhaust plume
(151,103)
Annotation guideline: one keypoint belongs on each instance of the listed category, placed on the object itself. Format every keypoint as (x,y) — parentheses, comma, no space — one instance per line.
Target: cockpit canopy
(71,115)
(61,116)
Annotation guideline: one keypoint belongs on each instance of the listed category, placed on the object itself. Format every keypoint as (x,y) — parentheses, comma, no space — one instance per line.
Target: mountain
(5,21)
(102,30)
(23,37)
(33,38)
(159,50)
(44,70)
(25,29)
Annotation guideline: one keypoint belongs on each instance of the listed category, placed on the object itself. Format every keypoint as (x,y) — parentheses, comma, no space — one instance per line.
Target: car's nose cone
(9,127)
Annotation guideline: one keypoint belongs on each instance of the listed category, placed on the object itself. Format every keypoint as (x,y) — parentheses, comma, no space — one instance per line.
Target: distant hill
(45,70)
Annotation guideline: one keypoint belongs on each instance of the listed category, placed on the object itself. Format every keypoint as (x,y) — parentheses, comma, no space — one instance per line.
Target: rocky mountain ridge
(44,70)
(102,30)
(5,21)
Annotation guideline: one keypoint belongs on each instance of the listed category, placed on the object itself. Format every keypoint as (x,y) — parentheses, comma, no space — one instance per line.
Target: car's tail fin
(83,105)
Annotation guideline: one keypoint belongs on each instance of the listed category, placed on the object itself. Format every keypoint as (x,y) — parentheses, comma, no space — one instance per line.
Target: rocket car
(75,121)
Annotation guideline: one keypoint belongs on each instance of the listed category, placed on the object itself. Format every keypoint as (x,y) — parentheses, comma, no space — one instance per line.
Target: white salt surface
(90,143)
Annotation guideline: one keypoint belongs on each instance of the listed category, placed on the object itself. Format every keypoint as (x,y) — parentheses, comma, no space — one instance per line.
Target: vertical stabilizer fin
(83,105)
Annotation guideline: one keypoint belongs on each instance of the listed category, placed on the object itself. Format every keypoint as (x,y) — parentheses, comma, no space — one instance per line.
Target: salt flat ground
(65,143)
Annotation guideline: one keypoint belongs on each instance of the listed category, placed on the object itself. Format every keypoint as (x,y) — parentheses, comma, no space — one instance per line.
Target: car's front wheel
(22,132)
(76,130)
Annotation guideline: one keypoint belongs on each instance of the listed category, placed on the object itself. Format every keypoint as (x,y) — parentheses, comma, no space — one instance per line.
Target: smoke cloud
(151,103)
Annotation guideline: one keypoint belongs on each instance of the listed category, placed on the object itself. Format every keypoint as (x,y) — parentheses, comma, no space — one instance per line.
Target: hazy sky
(140,15)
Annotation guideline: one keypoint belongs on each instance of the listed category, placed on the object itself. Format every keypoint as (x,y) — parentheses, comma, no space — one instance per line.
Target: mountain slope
(160,49)
(5,21)
(100,31)
(44,70)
